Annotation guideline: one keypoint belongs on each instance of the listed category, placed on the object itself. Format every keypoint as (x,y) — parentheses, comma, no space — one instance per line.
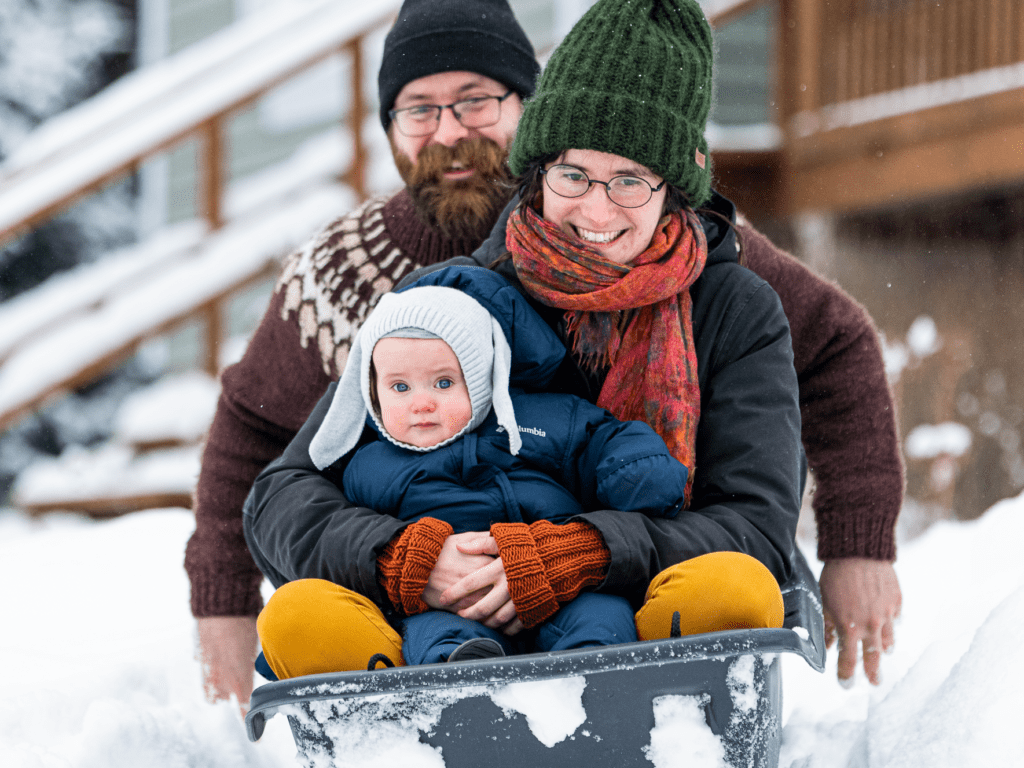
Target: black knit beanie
(432,36)
(632,78)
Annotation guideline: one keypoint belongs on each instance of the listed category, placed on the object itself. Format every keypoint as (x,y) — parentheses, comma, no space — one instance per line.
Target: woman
(664,326)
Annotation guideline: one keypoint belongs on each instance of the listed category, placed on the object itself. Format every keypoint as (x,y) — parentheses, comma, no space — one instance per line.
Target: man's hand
(861,598)
(227,649)
(494,607)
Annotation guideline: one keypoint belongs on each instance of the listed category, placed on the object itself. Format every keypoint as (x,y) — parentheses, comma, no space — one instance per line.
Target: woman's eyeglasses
(423,119)
(626,191)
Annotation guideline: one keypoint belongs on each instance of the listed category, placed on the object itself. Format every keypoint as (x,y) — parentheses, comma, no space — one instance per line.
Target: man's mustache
(435,160)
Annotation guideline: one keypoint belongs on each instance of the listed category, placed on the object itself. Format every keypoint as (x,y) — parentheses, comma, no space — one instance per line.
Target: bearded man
(451,84)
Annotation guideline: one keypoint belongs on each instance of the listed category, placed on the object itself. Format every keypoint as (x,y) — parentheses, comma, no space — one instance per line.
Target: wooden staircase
(78,325)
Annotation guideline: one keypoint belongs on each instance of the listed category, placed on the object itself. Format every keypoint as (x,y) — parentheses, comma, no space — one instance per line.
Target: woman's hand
(483,594)
(454,564)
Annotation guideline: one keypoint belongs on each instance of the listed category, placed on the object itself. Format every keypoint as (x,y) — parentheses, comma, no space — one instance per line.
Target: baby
(432,418)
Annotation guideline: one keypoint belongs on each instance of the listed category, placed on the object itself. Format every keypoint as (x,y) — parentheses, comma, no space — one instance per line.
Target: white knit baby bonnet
(464,324)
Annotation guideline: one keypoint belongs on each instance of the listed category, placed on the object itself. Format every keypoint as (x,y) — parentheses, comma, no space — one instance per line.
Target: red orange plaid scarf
(636,319)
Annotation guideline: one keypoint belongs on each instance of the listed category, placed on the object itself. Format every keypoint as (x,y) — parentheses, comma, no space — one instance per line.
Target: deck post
(211,172)
(356,117)
(214,324)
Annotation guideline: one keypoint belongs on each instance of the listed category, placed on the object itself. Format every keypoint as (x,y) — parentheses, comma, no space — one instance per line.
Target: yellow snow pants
(313,626)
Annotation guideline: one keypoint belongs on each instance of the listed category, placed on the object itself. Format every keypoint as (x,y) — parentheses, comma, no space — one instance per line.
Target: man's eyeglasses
(423,119)
(626,191)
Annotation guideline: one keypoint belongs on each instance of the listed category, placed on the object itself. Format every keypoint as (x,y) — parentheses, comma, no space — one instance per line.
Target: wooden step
(108,481)
(151,461)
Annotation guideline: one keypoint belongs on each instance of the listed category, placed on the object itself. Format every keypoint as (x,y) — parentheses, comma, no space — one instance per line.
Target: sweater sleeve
(408,560)
(849,422)
(258,412)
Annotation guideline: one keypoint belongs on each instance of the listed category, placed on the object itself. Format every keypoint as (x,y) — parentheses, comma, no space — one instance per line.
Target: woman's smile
(597,237)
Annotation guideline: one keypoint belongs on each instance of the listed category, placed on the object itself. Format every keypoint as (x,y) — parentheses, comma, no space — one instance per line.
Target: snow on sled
(709,699)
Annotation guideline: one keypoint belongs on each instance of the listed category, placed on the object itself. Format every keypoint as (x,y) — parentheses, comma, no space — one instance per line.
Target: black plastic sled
(641,704)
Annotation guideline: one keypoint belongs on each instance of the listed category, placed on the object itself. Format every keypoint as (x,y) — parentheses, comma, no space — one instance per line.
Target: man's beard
(463,209)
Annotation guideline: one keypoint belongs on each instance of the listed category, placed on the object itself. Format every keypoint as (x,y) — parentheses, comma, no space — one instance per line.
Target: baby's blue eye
(444,383)
(401,387)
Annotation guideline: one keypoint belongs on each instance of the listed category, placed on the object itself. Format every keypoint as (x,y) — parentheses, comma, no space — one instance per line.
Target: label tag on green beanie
(699,157)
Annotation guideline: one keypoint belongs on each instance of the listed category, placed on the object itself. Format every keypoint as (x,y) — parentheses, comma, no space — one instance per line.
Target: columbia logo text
(529,430)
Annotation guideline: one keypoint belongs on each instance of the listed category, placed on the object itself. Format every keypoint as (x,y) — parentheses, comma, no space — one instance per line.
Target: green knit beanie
(632,78)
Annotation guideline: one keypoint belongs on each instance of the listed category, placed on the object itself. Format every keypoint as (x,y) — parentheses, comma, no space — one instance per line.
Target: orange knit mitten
(407,560)
(548,565)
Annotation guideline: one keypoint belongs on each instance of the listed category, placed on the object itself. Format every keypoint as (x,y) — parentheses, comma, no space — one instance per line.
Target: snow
(110,471)
(927,441)
(171,415)
(923,336)
(48,335)
(741,684)
(238,55)
(49,52)
(714,8)
(231,255)
(922,340)
(756,137)
(100,668)
(553,708)
(27,315)
(178,407)
(381,730)
(98,641)
(680,737)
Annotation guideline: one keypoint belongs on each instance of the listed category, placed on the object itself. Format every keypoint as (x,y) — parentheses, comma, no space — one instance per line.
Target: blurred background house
(882,141)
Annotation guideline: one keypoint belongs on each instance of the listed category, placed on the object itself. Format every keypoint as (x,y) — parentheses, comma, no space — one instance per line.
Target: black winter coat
(748,481)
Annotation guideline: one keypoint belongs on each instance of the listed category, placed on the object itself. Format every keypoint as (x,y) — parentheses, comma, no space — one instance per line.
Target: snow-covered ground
(97,641)
(99,667)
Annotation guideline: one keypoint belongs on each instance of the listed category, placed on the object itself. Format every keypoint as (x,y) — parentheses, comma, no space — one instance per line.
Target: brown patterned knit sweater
(327,289)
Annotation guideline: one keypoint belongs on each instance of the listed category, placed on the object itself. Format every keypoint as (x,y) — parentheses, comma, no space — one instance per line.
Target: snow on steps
(63,333)
(69,353)
(81,319)
(153,108)
(152,460)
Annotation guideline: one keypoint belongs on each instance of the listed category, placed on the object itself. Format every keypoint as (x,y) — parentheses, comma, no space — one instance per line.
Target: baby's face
(422,393)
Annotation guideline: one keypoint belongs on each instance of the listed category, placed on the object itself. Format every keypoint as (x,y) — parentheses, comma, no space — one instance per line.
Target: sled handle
(803,611)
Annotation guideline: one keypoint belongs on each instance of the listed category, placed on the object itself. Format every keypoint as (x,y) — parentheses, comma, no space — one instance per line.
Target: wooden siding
(858,76)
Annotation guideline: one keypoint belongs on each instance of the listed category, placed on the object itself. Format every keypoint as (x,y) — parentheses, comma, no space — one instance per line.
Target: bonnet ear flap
(501,401)
(343,425)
